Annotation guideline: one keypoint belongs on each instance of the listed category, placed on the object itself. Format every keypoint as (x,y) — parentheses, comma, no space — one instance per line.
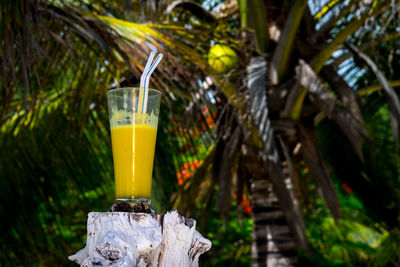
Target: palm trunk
(273,243)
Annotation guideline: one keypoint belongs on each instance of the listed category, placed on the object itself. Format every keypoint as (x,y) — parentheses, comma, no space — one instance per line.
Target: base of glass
(134,201)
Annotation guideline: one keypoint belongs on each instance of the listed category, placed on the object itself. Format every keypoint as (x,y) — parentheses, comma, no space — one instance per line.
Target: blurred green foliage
(231,239)
(53,187)
(367,193)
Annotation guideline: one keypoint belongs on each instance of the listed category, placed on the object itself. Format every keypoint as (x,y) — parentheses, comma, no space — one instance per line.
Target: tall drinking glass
(133,138)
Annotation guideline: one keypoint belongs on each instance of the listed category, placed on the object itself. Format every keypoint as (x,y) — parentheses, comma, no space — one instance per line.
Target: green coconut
(222,58)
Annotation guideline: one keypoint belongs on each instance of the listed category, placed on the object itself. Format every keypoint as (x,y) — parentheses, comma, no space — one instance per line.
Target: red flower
(346,188)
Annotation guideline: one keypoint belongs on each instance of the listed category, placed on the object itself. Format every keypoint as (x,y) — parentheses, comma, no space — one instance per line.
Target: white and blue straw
(145,80)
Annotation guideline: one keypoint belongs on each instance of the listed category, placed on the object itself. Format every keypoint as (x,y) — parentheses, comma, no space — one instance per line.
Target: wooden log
(141,239)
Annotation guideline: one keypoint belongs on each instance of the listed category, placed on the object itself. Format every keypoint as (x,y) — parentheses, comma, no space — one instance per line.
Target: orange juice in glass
(133,138)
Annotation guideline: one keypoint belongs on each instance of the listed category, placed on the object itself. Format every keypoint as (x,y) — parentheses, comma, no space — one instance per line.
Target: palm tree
(302,38)
(266,109)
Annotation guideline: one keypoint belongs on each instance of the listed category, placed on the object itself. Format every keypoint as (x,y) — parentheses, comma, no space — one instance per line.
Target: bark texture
(141,239)
(273,241)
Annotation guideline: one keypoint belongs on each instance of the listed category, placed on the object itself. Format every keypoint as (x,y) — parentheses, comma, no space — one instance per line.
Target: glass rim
(154,91)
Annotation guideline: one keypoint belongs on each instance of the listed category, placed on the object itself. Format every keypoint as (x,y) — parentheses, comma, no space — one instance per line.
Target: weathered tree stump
(141,239)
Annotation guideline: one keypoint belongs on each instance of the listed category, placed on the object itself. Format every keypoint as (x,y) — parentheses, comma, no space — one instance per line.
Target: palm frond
(339,13)
(192,7)
(280,59)
(327,103)
(392,99)
(341,37)
(377,87)
(388,251)
(326,9)
(319,172)
(258,18)
(321,58)
(228,144)
(346,94)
